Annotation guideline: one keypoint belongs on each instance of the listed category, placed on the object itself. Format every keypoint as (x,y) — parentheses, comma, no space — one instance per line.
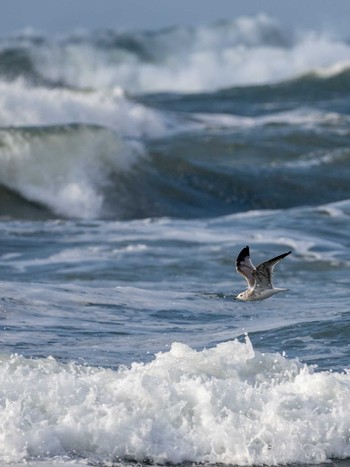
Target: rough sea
(134,167)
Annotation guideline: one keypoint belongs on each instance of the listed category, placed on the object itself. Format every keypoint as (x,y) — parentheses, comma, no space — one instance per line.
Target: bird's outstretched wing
(264,272)
(245,267)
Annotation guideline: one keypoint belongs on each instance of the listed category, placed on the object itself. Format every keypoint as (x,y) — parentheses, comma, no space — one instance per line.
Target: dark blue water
(133,169)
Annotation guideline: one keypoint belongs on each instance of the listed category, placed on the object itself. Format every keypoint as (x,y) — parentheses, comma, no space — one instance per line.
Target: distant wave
(225,405)
(246,51)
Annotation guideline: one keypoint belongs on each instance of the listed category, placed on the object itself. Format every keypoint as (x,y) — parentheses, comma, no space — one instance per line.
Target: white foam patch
(229,404)
(308,118)
(319,158)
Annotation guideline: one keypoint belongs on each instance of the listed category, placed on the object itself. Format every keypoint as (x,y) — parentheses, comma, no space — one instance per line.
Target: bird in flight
(259,278)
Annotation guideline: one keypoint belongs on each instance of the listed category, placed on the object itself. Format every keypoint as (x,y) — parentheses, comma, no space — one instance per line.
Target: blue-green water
(133,169)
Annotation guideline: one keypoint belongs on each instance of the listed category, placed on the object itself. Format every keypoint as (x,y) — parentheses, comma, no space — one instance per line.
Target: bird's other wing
(245,267)
(264,272)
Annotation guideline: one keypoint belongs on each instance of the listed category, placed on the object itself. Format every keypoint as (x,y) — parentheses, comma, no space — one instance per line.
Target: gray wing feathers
(264,272)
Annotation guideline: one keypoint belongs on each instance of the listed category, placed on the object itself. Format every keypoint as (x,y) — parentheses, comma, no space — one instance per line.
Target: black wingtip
(283,255)
(243,254)
(245,251)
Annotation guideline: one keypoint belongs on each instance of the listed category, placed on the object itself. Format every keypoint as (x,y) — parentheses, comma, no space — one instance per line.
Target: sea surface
(134,167)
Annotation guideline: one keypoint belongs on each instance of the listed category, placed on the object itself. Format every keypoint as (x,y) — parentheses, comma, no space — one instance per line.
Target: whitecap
(229,404)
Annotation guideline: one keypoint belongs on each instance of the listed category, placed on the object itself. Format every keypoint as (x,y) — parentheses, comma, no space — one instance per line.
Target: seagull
(259,278)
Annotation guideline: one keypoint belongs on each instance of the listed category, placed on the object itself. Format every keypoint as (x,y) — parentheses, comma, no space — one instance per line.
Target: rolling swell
(82,171)
(330,89)
(181,187)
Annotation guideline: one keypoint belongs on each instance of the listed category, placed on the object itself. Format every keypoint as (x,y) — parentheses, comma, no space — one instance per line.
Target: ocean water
(134,167)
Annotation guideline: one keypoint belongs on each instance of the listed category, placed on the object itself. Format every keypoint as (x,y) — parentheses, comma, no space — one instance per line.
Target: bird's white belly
(261,295)
(255,295)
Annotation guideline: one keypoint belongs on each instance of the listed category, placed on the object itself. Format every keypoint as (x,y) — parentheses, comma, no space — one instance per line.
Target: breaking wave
(229,405)
(65,168)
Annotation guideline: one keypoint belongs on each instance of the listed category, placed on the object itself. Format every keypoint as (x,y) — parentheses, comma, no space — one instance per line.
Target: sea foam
(229,404)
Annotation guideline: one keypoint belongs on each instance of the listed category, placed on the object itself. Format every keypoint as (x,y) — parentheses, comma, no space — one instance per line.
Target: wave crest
(65,168)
